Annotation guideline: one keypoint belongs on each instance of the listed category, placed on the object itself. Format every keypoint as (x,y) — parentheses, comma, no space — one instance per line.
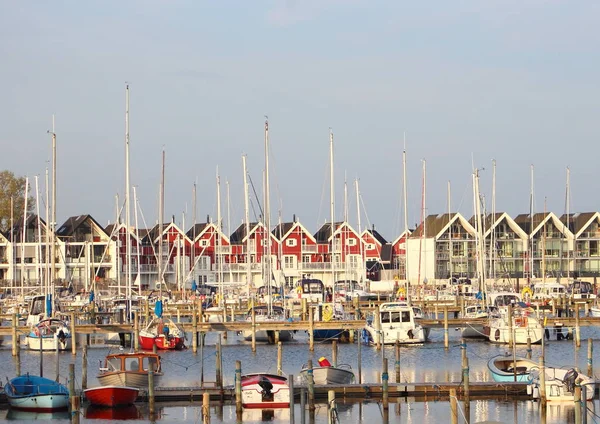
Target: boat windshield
(132,364)
(114,364)
(151,363)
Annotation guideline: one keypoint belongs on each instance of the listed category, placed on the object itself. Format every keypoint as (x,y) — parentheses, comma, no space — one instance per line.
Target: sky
(456,83)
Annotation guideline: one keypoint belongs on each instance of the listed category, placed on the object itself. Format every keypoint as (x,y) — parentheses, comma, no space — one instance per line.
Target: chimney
(294,219)
(208,219)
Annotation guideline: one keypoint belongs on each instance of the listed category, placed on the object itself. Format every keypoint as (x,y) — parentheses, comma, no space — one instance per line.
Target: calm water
(427,363)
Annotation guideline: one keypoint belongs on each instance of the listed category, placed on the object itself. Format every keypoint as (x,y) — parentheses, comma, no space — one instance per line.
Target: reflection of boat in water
(262,415)
(502,368)
(128,412)
(27,416)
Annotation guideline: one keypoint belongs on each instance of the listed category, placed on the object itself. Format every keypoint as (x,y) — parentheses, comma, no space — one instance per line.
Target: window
(370,246)
(350,242)
(289,262)
(306,259)
(291,242)
(204,263)
(204,243)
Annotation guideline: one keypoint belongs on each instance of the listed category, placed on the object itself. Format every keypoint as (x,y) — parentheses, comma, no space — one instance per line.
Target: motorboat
(504,368)
(326,373)
(51,333)
(397,320)
(130,369)
(524,327)
(474,330)
(262,390)
(261,314)
(112,396)
(163,333)
(561,382)
(326,312)
(34,393)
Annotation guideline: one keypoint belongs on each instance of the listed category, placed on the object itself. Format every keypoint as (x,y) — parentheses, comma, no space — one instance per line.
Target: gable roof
(68,228)
(579,222)
(435,225)
(376,235)
(501,216)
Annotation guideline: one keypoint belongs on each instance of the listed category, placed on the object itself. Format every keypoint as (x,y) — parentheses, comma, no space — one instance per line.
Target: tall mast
(331,207)
(127,206)
(53,223)
(219,256)
(267,229)
(362,248)
(531,228)
(450,247)
(23,238)
(161,218)
(492,270)
(568,220)
(47,241)
(405,196)
(229,223)
(38,245)
(247,225)
(138,282)
(193,246)
(118,224)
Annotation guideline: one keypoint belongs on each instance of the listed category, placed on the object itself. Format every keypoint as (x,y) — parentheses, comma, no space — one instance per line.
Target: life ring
(327,313)
(526,292)
(401,292)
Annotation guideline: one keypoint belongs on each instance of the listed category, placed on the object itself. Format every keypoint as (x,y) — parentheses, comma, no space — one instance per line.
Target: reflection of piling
(331,407)
(590,367)
(311,386)
(219,363)
(72,395)
(151,391)
(291,390)
(577,333)
(334,353)
(238,386)
(136,327)
(253,330)
(206,408)
(84,364)
(384,383)
(542,380)
(73,335)
(279,358)
(311,329)
(15,336)
(453,407)
(445,327)
(397,363)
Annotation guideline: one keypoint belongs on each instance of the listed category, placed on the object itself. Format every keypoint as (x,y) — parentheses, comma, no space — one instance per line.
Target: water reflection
(128,412)
(16,415)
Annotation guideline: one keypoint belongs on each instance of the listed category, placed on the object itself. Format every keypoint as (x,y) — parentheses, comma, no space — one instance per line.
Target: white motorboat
(561,382)
(524,326)
(397,323)
(51,333)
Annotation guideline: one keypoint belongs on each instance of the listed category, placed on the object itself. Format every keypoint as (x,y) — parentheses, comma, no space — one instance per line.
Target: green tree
(13,187)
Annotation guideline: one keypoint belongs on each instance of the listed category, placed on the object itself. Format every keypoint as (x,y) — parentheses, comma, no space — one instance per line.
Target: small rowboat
(111,396)
(504,368)
(33,393)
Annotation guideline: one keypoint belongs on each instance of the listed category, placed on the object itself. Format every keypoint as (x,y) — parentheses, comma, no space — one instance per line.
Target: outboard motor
(266,387)
(62,336)
(569,380)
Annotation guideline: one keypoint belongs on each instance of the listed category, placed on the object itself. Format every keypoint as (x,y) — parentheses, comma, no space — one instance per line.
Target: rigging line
(255,195)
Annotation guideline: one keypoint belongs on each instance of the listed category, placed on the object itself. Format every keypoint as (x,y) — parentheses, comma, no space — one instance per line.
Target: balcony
(310,249)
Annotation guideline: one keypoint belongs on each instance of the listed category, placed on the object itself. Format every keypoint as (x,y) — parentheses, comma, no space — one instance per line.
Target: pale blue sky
(514,81)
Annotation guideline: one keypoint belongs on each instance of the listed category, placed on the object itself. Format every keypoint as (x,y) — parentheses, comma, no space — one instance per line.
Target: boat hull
(330,375)
(264,336)
(501,369)
(49,343)
(520,335)
(407,335)
(331,334)
(148,341)
(556,388)
(127,379)
(254,394)
(112,396)
(32,393)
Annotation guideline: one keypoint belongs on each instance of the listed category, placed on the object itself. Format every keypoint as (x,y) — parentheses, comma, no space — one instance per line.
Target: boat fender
(61,336)
(324,362)
(497,334)
(410,334)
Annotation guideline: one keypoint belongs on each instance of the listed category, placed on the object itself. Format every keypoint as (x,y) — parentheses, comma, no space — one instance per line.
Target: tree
(13,187)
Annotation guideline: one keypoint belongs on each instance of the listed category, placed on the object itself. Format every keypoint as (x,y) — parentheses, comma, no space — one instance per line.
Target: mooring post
(84,364)
(218,371)
(178,316)
(291,389)
(253,330)
(510,326)
(18,364)
(73,335)
(238,386)
(136,330)
(445,327)
(151,391)
(377,328)
(577,402)
(359,358)
(147,311)
(542,380)
(590,367)
(465,369)
(279,358)
(453,407)
(194,331)
(205,408)
(528,354)
(384,383)
(311,385)
(397,363)
(302,405)
(154,348)
(331,407)
(15,336)
(553,306)
(72,394)
(311,328)
(577,333)
(334,352)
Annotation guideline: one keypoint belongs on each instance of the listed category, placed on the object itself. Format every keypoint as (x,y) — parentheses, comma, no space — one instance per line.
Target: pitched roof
(70,226)
(376,235)
(196,230)
(577,221)
(325,233)
(239,234)
(282,229)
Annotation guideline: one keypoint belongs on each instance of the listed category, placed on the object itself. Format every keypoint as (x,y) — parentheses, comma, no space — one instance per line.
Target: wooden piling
(590,355)
(311,328)
(359,359)
(334,353)
(377,328)
(397,363)
(18,364)
(279,358)
(291,388)
(465,370)
(219,363)
(73,335)
(384,383)
(445,327)
(253,331)
(453,407)
(238,386)
(206,408)
(194,332)
(151,405)
(302,405)
(304,309)
(154,348)
(311,385)
(542,375)
(84,364)
(136,329)
(510,326)
(72,395)
(528,354)
(15,336)
(331,407)
(577,403)
(277,337)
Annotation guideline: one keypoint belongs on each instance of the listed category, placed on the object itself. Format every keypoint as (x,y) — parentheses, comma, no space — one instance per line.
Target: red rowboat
(163,333)
(111,395)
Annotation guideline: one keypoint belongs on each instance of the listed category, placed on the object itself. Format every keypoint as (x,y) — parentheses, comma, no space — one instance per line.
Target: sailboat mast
(450,247)
(492,270)
(23,238)
(127,207)
(362,247)
(53,224)
(332,207)
(193,245)
(267,229)
(229,223)
(161,217)
(137,240)
(38,247)
(568,201)
(405,196)
(247,225)
(531,228)
(47,241)
(218,256)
